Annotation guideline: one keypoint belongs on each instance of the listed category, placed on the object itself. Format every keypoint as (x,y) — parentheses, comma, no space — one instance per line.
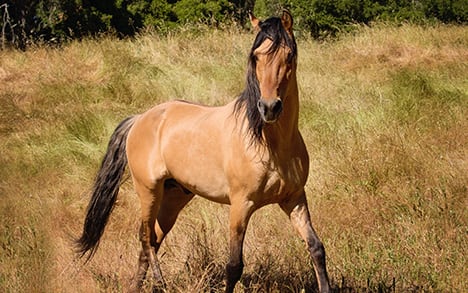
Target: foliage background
(51,21)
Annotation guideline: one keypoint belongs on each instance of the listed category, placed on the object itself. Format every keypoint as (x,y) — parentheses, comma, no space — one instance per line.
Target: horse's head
(273,61)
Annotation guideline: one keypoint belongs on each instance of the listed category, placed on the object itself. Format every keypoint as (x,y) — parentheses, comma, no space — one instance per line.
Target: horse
(247,154)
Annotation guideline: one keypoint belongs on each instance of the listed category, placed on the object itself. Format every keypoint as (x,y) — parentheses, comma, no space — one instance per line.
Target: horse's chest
(279,181)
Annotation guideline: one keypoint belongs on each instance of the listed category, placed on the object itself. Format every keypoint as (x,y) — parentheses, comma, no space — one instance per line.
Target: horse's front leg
(239,216)
(298,212)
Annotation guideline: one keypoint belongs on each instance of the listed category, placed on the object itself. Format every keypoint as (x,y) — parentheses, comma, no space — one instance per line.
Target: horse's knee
(317,250)
(233,274)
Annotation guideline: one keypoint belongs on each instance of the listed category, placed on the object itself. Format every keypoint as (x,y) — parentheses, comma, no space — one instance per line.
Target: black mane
(272,29)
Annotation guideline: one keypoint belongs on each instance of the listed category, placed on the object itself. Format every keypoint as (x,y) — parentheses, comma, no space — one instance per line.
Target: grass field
(384,112)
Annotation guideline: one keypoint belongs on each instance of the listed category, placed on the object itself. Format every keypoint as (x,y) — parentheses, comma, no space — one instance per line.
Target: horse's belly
(205,184)
(201,172)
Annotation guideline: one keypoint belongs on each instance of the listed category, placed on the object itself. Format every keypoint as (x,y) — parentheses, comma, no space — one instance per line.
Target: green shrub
(53,21)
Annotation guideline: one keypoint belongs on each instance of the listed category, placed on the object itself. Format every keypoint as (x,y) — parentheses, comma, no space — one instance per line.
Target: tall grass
(384,115)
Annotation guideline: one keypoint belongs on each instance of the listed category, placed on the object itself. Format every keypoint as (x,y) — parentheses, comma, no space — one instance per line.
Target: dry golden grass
(384,114)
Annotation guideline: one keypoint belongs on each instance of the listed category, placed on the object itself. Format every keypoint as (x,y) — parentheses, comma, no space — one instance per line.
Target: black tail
(105,190)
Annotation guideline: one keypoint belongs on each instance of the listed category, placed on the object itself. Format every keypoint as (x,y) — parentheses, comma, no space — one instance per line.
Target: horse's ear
(254,21)
(287,21)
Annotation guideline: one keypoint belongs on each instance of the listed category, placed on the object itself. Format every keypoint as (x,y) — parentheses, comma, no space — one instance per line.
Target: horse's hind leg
(173,201)
(298,212)
(150,200)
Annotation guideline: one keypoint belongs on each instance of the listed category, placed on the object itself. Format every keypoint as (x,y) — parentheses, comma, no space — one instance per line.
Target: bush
(53,21)
(322,18)
(206,11)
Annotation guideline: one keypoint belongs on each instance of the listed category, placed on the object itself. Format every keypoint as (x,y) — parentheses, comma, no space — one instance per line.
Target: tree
(205,11)
(53,21)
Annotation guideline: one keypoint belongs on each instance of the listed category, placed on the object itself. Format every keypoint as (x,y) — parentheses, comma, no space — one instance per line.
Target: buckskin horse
(247,154)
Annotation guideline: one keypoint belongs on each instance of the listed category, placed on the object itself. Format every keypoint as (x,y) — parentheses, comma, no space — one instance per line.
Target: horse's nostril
(261,107)
(277,106)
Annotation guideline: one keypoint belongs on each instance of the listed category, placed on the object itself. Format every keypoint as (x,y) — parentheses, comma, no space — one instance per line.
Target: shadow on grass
(290,282)
(268,278)
(381,287)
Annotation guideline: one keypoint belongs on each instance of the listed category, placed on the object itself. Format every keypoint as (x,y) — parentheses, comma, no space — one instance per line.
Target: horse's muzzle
(270,110)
